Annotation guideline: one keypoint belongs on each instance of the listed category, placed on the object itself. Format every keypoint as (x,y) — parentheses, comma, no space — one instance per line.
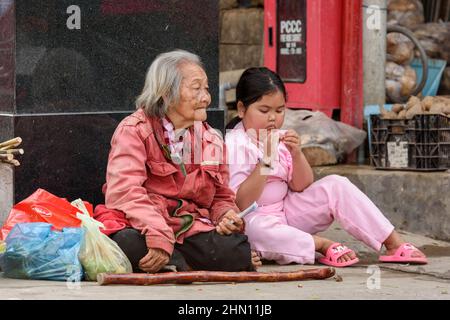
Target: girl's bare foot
(322,245)
(394,241)
(256,259)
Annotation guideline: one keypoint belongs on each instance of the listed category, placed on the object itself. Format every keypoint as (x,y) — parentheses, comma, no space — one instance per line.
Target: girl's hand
(225,227)
(292,141)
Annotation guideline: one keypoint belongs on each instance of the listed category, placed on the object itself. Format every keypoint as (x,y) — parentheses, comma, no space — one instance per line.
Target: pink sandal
(404,255)
(334,252)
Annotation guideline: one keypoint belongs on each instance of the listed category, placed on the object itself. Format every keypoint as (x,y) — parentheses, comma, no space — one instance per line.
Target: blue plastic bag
(34,251)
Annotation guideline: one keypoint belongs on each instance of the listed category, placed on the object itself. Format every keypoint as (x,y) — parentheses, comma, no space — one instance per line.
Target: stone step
(413,201)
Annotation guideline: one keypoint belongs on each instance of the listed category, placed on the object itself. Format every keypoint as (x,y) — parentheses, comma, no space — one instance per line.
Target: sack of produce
(399,48)
(407,13)
(325,140)
(35,251)
(435,39)
(444,88)
(400,80)
(98,253)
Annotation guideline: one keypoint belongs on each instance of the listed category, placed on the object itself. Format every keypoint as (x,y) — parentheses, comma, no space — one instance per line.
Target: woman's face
(267,113)
(194,93)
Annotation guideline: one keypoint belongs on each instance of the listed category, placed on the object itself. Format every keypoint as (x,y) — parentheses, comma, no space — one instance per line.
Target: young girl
(268,166)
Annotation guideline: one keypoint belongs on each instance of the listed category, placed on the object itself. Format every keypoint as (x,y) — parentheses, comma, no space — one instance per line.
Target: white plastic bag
(318,130)
(99,253)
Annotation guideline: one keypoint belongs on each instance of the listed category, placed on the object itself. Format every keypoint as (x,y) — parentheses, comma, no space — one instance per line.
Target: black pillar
(70,71)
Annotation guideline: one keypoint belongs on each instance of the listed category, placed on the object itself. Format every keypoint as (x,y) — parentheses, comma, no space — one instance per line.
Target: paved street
(362,282)
(393,285)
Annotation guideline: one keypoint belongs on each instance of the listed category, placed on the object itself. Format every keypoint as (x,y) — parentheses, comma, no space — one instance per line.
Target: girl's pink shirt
(243,155)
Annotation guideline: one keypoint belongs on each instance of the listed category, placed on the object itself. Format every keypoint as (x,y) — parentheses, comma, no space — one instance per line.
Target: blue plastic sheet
(34,251)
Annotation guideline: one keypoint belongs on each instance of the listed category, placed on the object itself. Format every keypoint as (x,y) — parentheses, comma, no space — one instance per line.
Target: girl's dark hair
(253,84)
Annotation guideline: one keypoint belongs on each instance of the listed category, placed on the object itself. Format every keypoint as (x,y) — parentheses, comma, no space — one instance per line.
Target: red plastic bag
(42,206)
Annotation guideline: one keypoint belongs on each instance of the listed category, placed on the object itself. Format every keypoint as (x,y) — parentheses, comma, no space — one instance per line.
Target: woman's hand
(225,227)
(154,260)
(292,141)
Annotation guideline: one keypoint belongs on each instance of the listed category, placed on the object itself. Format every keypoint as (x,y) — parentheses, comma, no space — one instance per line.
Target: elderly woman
(163,204)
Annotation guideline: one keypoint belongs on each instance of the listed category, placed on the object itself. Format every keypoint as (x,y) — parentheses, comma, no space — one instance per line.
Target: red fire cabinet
(306,42)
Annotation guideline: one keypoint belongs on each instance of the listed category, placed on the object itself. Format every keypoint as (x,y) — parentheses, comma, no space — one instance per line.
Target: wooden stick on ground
(11,146)
(15,141)
(212,276)
(14,162)
(6,157)
(12,151)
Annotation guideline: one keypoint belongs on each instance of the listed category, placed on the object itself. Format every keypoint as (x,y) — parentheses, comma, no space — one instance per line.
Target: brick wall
(241,34)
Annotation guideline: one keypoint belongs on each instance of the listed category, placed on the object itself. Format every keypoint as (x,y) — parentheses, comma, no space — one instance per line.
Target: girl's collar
(241,129)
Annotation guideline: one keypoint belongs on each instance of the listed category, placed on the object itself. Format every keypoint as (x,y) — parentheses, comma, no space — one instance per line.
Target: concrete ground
(365,281)
(412,201)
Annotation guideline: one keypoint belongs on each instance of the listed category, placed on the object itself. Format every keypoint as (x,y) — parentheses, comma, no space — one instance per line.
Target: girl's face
(267,113)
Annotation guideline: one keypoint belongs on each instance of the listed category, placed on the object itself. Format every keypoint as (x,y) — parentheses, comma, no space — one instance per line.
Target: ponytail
(233,123)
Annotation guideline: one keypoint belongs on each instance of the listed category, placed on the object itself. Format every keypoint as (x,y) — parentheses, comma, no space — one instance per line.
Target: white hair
(162,82)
